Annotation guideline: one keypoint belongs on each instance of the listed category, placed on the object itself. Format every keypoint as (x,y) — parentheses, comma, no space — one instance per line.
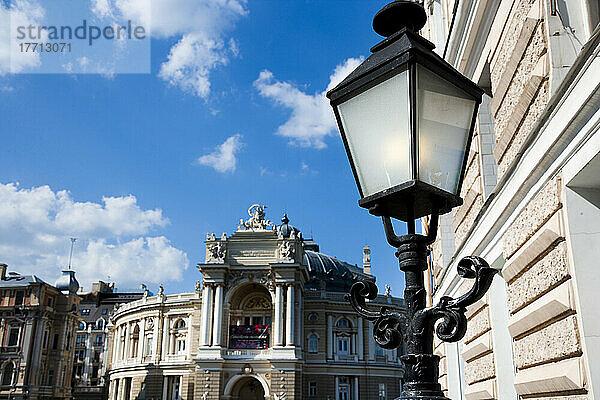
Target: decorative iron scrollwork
(390,328)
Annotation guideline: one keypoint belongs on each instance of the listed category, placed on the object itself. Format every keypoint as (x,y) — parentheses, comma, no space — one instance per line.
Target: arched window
(7,374)
(135,340)
(313,343)
(81,326)
(344,323)
(100,323)
(180,336)
(180,324)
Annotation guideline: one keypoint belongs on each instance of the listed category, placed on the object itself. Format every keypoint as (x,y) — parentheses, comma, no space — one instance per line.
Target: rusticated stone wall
(547,347)
(519,76)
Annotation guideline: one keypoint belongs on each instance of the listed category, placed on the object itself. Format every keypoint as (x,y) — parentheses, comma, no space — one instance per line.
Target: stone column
(188,336)
(172,340)
(330,340)
(360,339)
(371,343)
(278,316)
(289,317)
(355,387)
(141,340)
(127,335)
(165,338)
(299,331)
(204,315)
(337,387)
(115,354)
(155,339)
(88,354)
(353,344)
(218,315)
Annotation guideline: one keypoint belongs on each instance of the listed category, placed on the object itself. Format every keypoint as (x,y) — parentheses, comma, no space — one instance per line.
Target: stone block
(482,390)
(468,221)
(471,175)
(480,369)
(556,341)
(443,366)
(537,107)
(549,233)
(547,307)
(510,37)
(483,344)
(544,275)
(563,376)
(528,93)
(478,305)
(478,325)
(533,216)
(513,55)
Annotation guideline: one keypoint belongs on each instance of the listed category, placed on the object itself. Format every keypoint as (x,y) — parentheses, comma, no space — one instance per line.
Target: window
(343,344)
(313,317)
(50,301)
(95,372)
(45,340)
(7,374)
(344,389)
(50,378)
(312,389)
(313,343)
(82,355)
(84,311)
(379,351)
(148,350)
(99,340)
(96,357)
(382,394)
(104,311)
(100,324)
(55,342)
(13,336)
(343,323)
(19,297)
(180,345)
(81,326)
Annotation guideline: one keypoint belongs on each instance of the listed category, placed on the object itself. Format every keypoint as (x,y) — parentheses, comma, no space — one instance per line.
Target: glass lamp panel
(444,116)
(376,125)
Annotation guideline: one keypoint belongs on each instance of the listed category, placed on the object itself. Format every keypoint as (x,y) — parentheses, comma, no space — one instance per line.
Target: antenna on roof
(71,252)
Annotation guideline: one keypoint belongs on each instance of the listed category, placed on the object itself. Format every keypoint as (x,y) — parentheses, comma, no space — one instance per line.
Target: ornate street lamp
(406,117)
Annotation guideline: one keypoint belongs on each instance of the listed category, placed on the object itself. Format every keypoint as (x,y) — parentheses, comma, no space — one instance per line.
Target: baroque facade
(36,335)
(268,321)
(531,198)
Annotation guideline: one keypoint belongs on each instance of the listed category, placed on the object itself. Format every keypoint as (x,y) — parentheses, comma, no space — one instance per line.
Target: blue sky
(230,115)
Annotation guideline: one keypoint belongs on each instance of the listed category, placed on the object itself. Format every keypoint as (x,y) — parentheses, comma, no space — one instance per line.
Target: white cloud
(223,159)
(200,26)
(311,117)
(19,13)
(114,237)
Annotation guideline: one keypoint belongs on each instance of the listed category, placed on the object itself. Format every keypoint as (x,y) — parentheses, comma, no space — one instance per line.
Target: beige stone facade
(531,205)
(269,321)
(37,339)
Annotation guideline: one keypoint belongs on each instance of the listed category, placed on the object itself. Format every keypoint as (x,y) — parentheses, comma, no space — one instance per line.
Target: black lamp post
(406,117)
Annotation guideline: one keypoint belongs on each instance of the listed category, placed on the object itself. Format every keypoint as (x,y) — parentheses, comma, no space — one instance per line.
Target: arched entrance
(248,388)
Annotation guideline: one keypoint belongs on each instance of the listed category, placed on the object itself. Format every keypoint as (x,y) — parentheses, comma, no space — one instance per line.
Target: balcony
(349,358)
(253,354)
(248,337)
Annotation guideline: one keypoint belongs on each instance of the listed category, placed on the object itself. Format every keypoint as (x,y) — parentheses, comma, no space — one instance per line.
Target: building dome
(324,268)
(67,283)
(285,229)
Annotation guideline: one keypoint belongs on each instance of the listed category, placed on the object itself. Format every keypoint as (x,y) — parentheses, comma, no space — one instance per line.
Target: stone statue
(161,290)
(257,221)
(388,290)
(198,287)
(287,250)
(215,253)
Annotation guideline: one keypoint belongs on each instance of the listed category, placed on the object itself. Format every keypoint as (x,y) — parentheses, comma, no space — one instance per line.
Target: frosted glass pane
(376,124)
(444,115)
